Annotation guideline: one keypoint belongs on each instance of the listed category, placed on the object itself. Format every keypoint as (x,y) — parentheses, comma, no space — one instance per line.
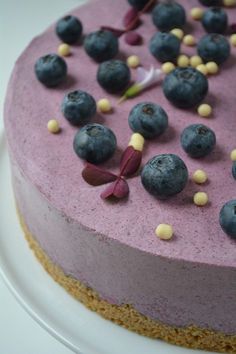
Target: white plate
(78,328)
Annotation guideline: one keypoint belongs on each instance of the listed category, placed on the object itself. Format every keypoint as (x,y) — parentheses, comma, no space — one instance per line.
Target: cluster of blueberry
(163,175)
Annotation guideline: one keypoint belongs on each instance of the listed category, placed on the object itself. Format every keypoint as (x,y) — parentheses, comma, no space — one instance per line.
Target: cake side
(125,315)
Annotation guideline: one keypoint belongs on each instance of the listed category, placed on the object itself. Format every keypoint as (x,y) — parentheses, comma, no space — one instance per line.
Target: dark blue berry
(185,87)
(164,46)
(211,2)
(148,119)
(78,107)
(164,175)
(215,20)
(213,47)
(69,29)
(113,75)
(168,15)
(234,169)
(101,45)
(95,143)
(50,70)
(138,4)
(198,140)
(228,218)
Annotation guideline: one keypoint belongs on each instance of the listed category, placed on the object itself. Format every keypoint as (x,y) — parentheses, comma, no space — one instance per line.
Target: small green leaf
(133,91)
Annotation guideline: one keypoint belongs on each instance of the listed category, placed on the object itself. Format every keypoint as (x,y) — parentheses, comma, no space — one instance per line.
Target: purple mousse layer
(112,247)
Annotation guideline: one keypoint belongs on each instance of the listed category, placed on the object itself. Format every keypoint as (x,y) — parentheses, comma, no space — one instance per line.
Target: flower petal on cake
(116,31)
(130,161)
(96,176)
(133,38)
(131,18)
(118,189)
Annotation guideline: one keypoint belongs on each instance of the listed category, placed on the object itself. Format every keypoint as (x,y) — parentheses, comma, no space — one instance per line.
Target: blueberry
(78,107)
(164,46)
(164,175)
(234,169)
(211,2)
(113,75)
(213,47)
(69,29)
(185,87)
(168,15)
(228,218)
(198,140)
(101,45)
(50,70)
(215,20)
(148,119)
(95,143)
(138,4)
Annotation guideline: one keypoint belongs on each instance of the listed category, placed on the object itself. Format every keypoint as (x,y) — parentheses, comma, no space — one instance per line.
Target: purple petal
(133,38)
(130,161)
(131,18)
(116,31)
(96,176)
(118,189)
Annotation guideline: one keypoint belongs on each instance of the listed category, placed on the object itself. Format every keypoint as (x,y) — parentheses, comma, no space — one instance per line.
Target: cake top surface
(52,166)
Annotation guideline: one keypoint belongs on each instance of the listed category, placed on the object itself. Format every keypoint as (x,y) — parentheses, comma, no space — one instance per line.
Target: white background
(20,21)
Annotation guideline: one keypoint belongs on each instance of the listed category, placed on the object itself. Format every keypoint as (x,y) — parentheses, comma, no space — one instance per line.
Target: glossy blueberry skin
(215,20)
(164,46)
(211,2)
(185,87)
(164,175)
(78,107)
(138,4)
(234,169)
(101,45)
(213,47)
(95,143)
(69,29)
(148,119)
(113,75)
(169,15)
(228,218)
(50,70)
(198,140)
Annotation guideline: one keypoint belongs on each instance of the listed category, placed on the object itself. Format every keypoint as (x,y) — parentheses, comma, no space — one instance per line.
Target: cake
(105,252)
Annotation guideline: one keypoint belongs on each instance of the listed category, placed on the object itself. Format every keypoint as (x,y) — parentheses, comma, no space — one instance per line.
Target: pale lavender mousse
(112,247)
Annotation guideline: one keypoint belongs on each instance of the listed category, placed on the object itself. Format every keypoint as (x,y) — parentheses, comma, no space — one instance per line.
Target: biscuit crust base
(126,316)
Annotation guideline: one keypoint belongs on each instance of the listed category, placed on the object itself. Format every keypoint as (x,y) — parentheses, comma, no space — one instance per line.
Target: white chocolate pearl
(233,39)
(212,67)
(137,141)
(133,61)
(189,40)
(233,155)
(178,32)
(199,176)
(183,61)
(64,50)
(164,231)
(167,67)
(104,105)
(195,60)
(202,68)
(229,3)
(200,198)
(53,126)
(204,110)
(196,13)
